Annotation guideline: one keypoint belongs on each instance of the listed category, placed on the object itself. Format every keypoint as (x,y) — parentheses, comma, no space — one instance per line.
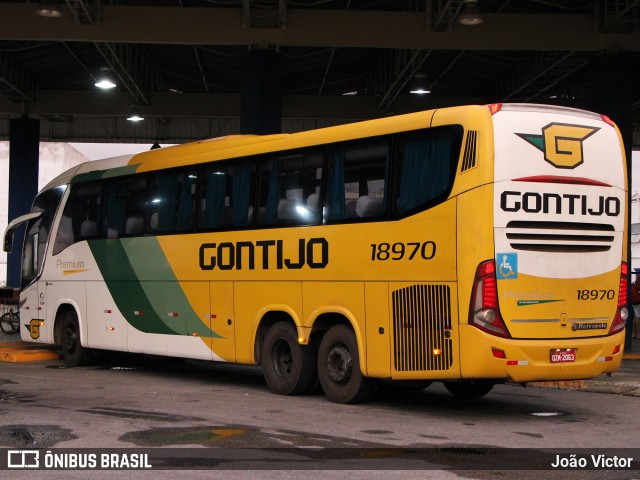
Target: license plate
(564,355)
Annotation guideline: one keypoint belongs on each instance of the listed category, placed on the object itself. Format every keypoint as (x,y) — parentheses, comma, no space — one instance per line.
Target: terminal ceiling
(180,61)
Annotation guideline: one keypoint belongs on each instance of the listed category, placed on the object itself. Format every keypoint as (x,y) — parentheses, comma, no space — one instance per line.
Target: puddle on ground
(140,414)
(237,436)
(162,437)
(34,436)
(7,396)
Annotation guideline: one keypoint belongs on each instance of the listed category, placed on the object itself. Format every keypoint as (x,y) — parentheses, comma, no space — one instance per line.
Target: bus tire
(339,367)
(468,389)
(73,353)
(288,367)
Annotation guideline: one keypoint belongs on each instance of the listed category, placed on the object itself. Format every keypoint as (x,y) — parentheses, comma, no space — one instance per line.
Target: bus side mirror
(8,242)
(11,228)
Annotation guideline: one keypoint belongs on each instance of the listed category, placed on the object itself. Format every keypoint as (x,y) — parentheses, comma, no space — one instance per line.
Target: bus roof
(241,145)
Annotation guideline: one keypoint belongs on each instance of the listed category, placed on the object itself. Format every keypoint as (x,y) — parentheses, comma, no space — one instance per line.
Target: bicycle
(10,318)
(10,322)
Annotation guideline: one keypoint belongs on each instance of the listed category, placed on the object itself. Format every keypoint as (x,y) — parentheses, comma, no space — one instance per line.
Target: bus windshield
(37,234)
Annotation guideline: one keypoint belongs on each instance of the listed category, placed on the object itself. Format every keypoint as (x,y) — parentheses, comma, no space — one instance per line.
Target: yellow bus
(470,245)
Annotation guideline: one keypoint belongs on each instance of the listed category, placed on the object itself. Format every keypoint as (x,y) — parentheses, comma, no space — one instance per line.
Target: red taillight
(495,108)
(622,312)
(484,311)
(624,285)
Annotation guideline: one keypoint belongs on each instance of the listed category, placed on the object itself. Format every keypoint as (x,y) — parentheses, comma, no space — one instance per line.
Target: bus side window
(81,216)
(172,201)
(227,192)
(425,165)
(126,200)
(290,188)
(357,180)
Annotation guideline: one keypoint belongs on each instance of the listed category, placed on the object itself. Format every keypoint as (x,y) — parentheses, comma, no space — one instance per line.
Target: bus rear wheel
(288,367)
(339,367)
(468,389)
(73,353)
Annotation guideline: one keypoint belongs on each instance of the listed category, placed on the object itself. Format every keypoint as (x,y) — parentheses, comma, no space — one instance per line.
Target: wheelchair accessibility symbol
(507,266)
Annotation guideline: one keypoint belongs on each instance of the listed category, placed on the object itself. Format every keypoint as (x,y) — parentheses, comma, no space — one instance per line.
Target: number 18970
(398,251)
(596,294)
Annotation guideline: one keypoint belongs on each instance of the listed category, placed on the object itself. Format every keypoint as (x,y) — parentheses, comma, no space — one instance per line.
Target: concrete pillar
(261,109)
(610,92)
(24,141)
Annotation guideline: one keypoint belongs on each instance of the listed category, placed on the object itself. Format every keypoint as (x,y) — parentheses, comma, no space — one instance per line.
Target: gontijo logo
(561,143)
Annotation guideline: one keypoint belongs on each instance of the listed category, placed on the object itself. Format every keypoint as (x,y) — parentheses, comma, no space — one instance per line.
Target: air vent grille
(469,159)
(422,328)
(565,237)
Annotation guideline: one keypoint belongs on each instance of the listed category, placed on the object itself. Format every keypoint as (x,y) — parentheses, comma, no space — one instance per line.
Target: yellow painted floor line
(25,352)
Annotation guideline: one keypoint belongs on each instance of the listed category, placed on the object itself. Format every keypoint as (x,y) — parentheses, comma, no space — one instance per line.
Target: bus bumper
(484,356)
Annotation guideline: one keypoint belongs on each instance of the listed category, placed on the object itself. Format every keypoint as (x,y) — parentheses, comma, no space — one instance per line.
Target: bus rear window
(425,165)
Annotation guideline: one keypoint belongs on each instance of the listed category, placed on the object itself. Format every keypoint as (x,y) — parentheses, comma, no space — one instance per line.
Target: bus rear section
(550,304)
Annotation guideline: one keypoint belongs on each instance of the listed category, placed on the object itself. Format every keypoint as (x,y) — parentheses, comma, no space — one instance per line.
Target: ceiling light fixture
(49,8)
(419,84)
(470,14)
(104,80)
(105,84)
(134,115)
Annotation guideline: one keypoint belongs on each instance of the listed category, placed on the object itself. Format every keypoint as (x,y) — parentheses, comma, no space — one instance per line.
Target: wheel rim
(339,364)
(282,358)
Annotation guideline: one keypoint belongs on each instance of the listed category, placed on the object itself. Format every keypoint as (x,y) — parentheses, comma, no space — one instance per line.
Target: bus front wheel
(468,389)
(288,367)
(339,367)
(73,353)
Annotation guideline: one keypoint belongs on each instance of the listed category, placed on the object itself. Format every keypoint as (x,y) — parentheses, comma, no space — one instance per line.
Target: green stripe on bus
(88,177)
(125,288)
(120,171)
(148,261)
(143,303)
(100,174)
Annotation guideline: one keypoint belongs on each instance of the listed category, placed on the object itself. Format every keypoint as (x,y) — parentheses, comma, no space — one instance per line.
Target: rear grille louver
(422,324)
(469,158)
(564,237)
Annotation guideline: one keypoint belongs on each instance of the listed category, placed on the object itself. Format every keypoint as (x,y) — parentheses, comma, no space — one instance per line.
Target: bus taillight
(622,313)
(484,311)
